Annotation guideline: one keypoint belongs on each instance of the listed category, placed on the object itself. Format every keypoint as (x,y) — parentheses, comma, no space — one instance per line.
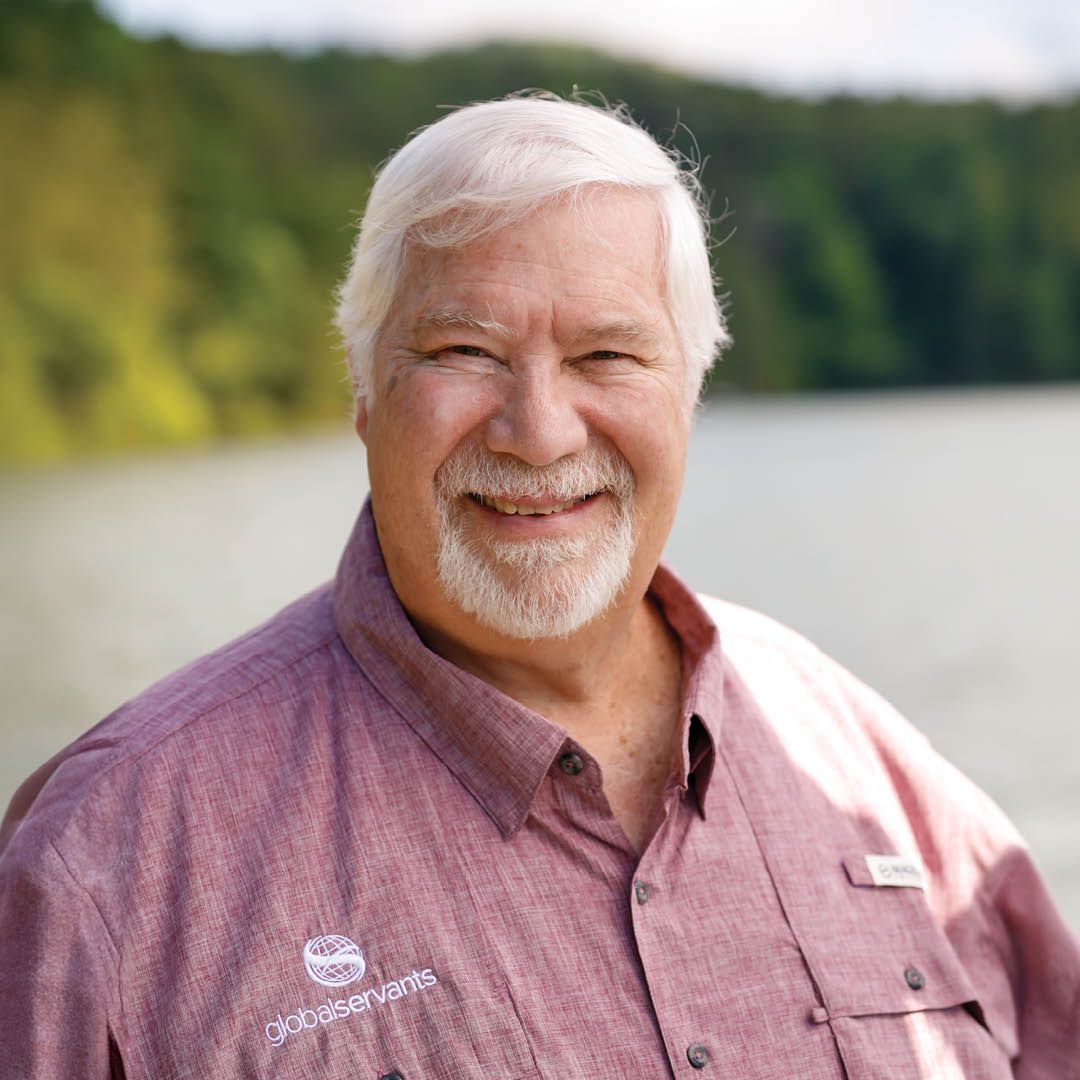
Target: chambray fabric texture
(172,881)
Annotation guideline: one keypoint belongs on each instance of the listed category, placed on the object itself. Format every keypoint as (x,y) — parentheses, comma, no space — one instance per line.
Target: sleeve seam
(113,962)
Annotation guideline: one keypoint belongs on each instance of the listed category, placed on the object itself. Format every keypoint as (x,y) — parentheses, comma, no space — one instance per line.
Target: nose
(538,420)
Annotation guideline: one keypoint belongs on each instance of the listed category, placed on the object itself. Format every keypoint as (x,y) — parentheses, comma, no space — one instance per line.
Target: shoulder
(749,629)
(793,681)
(850,732)
(225,705)
(781,665)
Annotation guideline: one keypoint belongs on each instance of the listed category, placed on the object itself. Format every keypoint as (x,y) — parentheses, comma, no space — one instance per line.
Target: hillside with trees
(174,220)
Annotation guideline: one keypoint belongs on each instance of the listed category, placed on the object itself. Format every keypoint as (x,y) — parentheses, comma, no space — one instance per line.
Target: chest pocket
(895,994)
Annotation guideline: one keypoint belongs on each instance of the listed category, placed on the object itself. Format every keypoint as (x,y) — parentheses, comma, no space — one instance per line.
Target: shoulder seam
(85,892)
(122,755)
(88,897)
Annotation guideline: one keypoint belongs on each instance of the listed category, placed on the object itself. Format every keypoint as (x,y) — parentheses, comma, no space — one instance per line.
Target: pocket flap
(882,952)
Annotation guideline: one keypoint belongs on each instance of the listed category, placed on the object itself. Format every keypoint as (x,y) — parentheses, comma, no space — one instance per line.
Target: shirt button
(915,978)
(697,1055)
(641,892)
(571,764)
(395,1075)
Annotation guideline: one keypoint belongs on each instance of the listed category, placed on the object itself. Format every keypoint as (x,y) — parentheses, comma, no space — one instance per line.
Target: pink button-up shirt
(325,851)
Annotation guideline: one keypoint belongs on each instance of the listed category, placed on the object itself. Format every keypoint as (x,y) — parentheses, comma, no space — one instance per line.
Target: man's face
(527,431)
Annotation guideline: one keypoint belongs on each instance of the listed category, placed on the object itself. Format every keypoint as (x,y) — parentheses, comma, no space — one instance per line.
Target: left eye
(604,354)
(466,350)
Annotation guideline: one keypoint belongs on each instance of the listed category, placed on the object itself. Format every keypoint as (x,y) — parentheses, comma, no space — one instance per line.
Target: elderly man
(507,800)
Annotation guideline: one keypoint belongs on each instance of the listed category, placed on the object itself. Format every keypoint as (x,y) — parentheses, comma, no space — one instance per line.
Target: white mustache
(469,470)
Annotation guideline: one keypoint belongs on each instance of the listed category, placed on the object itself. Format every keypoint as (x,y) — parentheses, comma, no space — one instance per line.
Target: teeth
(505,507)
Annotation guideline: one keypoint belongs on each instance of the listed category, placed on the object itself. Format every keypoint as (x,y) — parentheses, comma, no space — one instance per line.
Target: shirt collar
(498,749)
(702,681)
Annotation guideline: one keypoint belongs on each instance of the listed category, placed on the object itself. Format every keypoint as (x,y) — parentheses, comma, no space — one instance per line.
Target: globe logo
(333,960)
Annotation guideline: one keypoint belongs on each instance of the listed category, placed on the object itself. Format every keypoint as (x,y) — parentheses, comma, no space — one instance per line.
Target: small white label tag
(899,871)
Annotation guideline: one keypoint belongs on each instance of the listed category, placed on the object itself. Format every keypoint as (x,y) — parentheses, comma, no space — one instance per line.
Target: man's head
(529,314)
(484,167)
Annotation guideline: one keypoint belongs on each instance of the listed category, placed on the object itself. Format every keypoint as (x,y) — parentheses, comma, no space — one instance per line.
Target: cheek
(660,486)
(656,450)
(423,418)
(653,439)
(450,406)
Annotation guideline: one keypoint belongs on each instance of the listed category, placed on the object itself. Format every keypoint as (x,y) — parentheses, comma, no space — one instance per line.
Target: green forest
(174,220)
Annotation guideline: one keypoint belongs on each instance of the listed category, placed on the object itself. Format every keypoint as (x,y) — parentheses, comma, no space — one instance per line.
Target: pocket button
(915,978)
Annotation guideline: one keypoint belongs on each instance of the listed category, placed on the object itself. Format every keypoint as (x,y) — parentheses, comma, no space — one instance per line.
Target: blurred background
(887,457)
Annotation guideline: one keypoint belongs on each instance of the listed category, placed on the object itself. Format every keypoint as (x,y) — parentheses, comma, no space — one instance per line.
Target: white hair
(485,166)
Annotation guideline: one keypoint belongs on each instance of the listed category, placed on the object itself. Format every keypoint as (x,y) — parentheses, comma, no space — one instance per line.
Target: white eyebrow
(621,330)
(450,319)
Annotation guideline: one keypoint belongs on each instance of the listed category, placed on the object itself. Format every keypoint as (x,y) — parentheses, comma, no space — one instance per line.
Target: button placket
(654,887)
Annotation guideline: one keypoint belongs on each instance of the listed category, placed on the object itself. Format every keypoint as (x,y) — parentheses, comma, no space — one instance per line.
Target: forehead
(598,254)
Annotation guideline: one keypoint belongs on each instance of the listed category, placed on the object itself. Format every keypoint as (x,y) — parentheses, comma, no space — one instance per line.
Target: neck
(615,687)
(556,669)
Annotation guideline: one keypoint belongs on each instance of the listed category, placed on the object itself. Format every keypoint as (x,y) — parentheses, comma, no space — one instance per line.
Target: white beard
(543,588)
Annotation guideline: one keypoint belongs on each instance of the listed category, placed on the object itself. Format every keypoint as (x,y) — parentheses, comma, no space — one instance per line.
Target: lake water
(931,542)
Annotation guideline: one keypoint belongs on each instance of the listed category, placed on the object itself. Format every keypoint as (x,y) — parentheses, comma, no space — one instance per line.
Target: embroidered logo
(333,960)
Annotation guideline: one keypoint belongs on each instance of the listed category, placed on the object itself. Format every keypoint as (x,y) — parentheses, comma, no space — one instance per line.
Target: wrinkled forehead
(625,224)
(602,251)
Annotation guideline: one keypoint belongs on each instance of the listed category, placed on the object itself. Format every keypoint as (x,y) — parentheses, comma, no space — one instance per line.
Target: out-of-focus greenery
(174,220)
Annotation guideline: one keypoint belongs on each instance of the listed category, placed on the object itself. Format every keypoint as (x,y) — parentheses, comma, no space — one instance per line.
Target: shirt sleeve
(59,985)
(1043,961)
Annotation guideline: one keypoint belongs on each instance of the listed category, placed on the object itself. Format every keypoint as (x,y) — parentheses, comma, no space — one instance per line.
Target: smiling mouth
(504,506)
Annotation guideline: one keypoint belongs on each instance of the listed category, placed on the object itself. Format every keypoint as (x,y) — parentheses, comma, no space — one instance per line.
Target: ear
(361,418)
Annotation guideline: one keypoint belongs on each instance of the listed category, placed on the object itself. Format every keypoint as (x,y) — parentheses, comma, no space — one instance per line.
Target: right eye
(465,350)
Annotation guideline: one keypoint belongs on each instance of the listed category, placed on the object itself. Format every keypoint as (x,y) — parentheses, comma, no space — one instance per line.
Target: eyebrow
(620,330)
(454,319)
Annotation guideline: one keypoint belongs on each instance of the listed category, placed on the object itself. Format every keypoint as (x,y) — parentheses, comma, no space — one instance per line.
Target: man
(507,800)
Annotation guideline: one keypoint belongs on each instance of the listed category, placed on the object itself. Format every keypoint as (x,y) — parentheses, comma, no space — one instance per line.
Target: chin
(538,589)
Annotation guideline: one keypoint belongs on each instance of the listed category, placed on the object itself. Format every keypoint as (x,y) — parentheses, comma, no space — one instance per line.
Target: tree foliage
(174,220)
